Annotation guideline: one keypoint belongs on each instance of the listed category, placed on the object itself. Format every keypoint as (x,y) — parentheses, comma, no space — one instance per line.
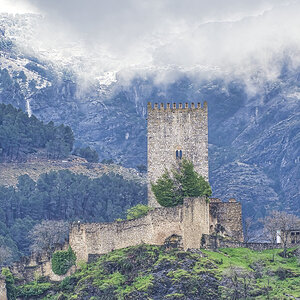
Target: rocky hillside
(254,138)
(150,272)
(9,172)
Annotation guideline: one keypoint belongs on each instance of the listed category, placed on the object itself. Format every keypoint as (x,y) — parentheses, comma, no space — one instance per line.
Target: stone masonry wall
(229,216)
(176,128)
(3,295)
(196,222)
(29,267)
(220,242)
(189,220)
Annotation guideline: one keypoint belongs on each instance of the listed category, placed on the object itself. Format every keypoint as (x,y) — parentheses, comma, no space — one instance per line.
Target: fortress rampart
(189,221)
(176,132)
(228,216)
(196,217)
(29,267)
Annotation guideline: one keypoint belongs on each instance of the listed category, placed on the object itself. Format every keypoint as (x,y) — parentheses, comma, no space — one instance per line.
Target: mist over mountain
(254,120)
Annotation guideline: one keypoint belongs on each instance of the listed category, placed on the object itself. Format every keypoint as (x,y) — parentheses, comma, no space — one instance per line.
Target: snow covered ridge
(18,30)
(26,73)
(26,32)
(94,63)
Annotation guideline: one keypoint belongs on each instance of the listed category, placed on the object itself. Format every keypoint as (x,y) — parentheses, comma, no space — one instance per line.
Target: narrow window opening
(178,154)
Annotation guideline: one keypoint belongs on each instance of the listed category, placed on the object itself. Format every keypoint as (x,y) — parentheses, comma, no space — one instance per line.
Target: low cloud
(200,38)
(16,7)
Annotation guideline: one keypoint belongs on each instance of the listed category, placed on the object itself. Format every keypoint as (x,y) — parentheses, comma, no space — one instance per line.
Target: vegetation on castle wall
(10,284)
(34,289)
(146,271)
(62,261)
(166,192)
(137,211)
(185,182)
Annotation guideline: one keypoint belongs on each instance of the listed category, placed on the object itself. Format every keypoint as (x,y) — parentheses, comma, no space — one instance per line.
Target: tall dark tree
(185,182)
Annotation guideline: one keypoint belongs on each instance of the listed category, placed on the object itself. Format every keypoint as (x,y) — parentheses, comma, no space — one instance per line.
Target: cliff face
(254,140)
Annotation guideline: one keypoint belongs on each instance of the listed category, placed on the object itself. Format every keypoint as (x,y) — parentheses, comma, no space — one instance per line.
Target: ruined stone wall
(212,242)
(176,128)
(189,220)
(3,294)
(196,222)
(229,216)
(29,267)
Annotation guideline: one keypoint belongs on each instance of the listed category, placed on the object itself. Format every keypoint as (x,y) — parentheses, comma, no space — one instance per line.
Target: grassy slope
(149,272)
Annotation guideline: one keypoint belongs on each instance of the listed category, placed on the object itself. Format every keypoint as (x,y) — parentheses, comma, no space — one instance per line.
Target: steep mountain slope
(254,139)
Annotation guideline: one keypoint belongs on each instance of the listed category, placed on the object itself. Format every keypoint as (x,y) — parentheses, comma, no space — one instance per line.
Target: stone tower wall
(172,128)
(228,215)
(196,222)
(189,221)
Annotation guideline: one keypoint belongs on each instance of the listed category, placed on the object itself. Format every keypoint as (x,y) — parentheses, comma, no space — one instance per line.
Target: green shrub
(179,273)
(33,289)
(141,284)
(186,182)
(165,191)
(67,284)
(137,211)
(62,261)
(10,284)
(88,153)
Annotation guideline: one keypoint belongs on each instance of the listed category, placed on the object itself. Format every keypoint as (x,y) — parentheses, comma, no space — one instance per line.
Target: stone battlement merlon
(176,106)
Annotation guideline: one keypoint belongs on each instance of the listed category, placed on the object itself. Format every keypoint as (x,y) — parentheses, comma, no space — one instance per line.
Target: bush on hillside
(62,261)
(89,154)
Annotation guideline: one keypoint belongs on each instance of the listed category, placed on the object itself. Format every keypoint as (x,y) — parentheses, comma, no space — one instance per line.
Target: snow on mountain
(254,126)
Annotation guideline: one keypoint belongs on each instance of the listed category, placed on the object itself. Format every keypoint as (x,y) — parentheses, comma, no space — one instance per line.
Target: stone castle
(174,132)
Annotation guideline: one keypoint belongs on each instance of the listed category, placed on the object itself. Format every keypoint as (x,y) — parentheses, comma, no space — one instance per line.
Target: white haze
(246,39)
(16,7)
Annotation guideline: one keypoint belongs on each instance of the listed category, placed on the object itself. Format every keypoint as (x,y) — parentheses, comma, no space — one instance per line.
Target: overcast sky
(232,37)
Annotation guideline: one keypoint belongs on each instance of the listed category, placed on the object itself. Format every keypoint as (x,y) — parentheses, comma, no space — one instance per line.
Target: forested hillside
(55,195)
(21,135)
(66,196)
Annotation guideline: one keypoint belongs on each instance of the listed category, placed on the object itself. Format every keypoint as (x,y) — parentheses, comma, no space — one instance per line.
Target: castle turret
(176,132)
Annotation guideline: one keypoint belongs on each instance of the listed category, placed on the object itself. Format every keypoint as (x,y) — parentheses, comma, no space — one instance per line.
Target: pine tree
(192,184)
(166,192)
(186,182)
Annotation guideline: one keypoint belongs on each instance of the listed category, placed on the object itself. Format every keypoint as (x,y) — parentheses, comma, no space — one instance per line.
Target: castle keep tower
(176,132)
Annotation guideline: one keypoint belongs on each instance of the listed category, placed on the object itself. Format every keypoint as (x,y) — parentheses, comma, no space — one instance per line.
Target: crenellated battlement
(176,106)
